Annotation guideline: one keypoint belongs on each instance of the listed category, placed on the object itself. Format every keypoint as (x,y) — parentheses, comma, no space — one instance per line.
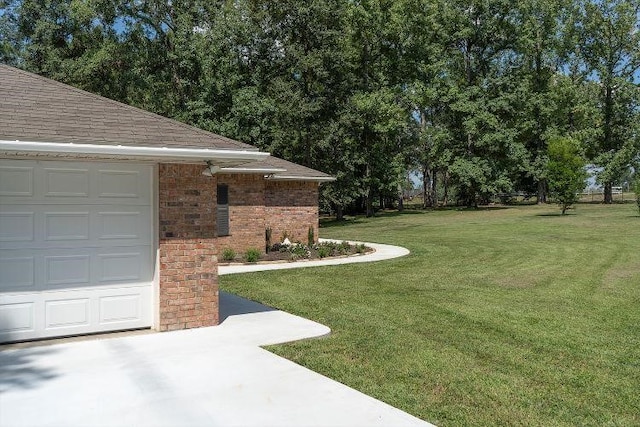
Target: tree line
(469,93)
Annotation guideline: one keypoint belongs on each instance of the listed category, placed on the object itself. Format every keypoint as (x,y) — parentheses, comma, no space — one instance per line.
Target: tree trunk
(542,191)
(429,180)
(434,188)
(425,187)
(339,213)
(369,206)
(445,200)
(400,198)
(608,193)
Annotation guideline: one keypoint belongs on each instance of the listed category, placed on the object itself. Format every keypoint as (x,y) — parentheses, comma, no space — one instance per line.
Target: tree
(636,189)
(485,153)
(610,48)
(565,171)
(536,65)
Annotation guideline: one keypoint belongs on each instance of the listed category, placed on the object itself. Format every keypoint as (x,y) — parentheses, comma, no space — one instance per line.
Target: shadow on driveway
(231,305)
(24,368)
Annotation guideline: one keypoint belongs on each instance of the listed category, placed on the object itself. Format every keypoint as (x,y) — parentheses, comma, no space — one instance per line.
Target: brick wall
(188,264)
(246,212)
(291,207)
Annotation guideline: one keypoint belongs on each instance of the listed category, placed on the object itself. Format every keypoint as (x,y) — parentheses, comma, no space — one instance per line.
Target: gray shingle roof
(293,169)
(37,109)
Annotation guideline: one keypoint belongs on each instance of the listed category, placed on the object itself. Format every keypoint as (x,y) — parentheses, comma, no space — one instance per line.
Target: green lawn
(513,316)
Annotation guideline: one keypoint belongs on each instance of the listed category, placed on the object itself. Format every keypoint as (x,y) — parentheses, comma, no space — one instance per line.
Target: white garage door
(75,248)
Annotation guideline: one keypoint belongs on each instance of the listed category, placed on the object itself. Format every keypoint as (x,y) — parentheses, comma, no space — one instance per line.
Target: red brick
(187,236)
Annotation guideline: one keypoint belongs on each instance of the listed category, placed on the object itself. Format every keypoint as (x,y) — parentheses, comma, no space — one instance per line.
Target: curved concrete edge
(250,322)
(382,252)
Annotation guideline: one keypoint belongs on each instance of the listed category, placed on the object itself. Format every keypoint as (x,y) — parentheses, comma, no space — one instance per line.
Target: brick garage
(157,265)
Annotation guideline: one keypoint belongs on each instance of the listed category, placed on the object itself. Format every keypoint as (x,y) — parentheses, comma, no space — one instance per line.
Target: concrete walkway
(382,252)
(216,376)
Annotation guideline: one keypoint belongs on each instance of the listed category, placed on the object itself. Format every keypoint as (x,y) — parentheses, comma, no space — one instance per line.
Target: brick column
(188,265)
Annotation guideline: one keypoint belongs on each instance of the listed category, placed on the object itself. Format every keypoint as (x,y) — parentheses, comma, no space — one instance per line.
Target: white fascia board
(251,170)
(303,178)
(125,151)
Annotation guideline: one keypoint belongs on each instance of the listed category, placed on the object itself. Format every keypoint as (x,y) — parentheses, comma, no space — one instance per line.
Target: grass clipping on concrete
(515,316)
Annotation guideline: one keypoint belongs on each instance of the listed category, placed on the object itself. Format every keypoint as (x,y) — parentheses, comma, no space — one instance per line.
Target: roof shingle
(37,109)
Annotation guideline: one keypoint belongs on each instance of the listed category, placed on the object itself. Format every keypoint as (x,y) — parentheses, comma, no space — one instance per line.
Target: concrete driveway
(216,376)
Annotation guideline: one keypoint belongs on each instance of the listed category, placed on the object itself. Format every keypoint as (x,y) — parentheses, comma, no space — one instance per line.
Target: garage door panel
(74,182)
(67,270)
(17,317)
(120,308)
(67,313)
(66,182)
(26,270)
(66,226)
(18,273)
(119,184)
(47,226)
(127,224)
(16,181)
(120,267)
(17,226)
(75,248)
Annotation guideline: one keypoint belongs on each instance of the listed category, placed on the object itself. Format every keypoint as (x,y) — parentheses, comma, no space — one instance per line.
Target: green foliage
(267,237)
(467,93)
(228,254)
(298,251)
(252,255)
(324,251)
(311,239)
(565,171)
(611,52)
(636,190)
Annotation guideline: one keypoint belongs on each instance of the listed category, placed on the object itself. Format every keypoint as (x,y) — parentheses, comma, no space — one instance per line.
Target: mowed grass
(515,316)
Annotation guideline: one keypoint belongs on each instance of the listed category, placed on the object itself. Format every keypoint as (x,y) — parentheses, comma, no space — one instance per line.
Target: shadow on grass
(555,214)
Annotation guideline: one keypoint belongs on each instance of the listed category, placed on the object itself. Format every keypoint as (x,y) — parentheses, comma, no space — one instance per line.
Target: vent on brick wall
(222,210)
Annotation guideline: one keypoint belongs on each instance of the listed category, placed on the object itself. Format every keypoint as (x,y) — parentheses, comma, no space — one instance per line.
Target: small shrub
(361,248)
(311,238)
(299,251)
(252,255)
(276,247)
(344,248)
(267,237)
(228,254)
(324,251)
(330,248)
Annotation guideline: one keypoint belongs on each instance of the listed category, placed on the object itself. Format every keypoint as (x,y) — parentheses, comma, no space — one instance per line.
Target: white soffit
(162,154)
(302,178)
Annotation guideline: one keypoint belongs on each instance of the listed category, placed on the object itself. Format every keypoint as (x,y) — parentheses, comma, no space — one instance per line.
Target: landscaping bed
(290,252)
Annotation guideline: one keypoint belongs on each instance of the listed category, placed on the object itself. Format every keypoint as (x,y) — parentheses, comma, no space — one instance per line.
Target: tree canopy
(468,93)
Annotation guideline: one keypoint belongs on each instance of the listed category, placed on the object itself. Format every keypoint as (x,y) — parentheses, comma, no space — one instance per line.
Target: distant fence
(598,195)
